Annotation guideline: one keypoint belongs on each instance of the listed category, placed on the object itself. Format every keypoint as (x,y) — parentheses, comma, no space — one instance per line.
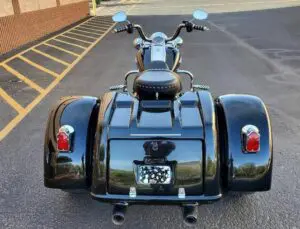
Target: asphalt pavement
(255,52)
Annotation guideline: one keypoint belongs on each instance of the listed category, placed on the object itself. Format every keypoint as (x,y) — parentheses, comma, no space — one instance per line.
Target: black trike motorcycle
(155,143)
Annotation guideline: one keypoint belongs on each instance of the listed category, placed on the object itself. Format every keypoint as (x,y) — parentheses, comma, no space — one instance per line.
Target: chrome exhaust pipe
(118,214)
(190,212)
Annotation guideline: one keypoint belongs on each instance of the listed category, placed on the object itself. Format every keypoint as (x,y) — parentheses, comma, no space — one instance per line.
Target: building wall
(23,21)
(6,8)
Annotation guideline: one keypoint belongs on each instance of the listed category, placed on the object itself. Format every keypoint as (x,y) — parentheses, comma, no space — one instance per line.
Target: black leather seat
(164,82)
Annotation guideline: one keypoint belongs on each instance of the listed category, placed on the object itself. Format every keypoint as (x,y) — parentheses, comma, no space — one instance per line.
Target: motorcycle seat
(163,83)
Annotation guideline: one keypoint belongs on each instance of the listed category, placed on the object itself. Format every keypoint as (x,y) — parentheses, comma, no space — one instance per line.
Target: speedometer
(158,40)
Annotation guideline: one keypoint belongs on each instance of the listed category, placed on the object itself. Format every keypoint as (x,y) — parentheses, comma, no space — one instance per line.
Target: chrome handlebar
(185,24)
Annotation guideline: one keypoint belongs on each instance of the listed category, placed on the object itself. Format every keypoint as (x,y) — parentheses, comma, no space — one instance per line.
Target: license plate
(154,174)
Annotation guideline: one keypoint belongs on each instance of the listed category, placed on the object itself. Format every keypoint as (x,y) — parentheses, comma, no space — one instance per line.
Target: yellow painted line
(68,43)
(102,20)
(13,103)
(84,31)
(76,39)
(50,57)
(92,26)
(100,29)
(94,31)
(44,42)
(23,78)
(5,131)
(61,49)
(38,66)
(78,34)
(89,28)
(98,24)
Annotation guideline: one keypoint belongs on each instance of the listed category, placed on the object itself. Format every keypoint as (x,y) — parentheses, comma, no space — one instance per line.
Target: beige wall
(65,2)
(44,4)
(28,5)
(6,8)
(17,30)
(32,5)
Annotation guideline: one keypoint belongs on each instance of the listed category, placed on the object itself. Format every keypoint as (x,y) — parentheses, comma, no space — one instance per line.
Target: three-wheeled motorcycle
(155,143)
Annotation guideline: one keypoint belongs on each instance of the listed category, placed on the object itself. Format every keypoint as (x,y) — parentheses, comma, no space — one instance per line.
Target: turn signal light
(250,139)
(64,138)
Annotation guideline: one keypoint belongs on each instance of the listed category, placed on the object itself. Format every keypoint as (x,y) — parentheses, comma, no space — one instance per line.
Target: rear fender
(244,171)
(70,170)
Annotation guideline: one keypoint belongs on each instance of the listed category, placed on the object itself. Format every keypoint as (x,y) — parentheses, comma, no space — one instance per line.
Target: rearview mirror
(120,17)
(200,14)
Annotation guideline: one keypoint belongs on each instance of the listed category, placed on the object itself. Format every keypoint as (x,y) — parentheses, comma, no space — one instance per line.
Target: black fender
(212,154)
(71,170)
(100,153)
(242,171)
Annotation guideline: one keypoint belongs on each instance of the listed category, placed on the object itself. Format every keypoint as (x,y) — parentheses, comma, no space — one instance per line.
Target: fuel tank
(143,58)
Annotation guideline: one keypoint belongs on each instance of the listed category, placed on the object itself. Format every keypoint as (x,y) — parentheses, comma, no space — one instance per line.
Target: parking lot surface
(255,52)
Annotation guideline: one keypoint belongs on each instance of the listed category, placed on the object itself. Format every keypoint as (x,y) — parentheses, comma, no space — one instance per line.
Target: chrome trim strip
(154,135)
(156,198)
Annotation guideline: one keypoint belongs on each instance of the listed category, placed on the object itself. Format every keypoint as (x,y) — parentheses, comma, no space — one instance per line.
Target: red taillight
(63,143)
(250,139)
(64,138)
(252,144)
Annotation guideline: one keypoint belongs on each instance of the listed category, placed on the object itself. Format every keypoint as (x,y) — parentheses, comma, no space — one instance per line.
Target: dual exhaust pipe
(190,212)
(118,214)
